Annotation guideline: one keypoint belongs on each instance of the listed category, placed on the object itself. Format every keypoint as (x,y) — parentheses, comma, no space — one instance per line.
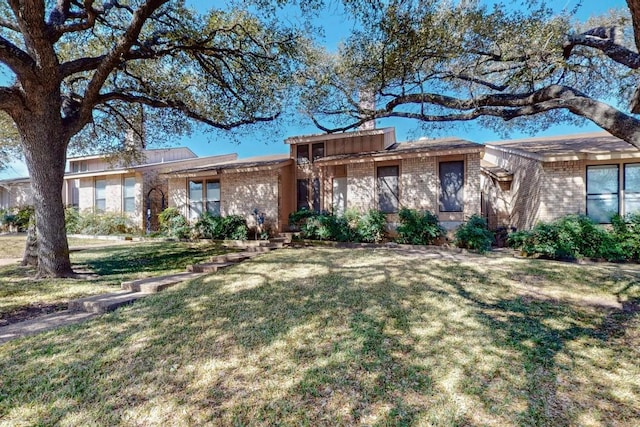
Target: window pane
(302,153)
(339,195)
(303,194)
(316,194)
(452,186)
(129,187)
(632,203)
(101,188)
(388,189)
(213,191)
(632,178)
(317,150)
(100,195)
(602,179)
(195,199)
(601,207)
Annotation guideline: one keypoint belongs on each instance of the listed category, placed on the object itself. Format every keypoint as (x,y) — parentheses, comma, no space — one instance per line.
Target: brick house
(360,170)
(15,193)
(541,179)
(94,183)
(368,169)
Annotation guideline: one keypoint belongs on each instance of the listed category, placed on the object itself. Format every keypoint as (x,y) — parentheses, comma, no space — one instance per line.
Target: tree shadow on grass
(539,329)
(334,347)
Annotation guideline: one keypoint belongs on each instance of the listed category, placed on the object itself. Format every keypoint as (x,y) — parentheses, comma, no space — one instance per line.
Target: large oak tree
(437,61)
(82,72)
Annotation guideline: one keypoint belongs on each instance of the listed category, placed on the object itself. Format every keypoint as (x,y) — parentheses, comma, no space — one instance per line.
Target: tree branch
(179,106)
(15,58)
(113,59)
(605,40)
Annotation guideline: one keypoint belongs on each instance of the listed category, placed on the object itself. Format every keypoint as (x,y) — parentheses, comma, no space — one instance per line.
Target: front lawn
(348,337)
(22,296)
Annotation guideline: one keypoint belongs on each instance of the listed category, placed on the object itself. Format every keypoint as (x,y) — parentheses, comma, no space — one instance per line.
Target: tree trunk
(31,249)
(45,154)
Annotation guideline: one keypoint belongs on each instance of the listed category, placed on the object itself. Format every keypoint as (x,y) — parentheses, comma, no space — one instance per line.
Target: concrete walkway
(83,309)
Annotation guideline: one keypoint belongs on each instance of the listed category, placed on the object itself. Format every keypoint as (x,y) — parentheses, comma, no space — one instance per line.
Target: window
(302,153)
(632,188)
(129,195)
(317,151)
(213,197)
(339,195)
(100,202)
(451,186)
(388,191)
(602,192)
(79,166)
(195,199)
(303,194)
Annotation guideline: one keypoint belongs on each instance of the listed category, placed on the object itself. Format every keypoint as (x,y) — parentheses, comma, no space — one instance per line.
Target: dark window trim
(464,177)
(586,181)
(396,194)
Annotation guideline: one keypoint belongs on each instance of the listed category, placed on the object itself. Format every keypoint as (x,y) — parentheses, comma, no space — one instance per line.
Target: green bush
(351,227)
(102,223)
(570,237)
(371,227)
(173,224)
(626,231)
(71,220)
(210,226)
(474,234)
(23,216)
(418,227)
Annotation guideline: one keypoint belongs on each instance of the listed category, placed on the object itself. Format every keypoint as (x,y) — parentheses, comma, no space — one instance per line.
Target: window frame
(395,206)
(302,202)
(441,205)
(302,159)
(617,193)
(208,199)
(96,200)
(125,197)
(321,147)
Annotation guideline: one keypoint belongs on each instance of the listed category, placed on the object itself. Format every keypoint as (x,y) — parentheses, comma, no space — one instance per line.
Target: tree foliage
(94,74)
(438,61)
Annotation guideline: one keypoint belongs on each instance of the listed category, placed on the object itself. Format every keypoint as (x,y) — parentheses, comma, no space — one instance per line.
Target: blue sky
(336,27)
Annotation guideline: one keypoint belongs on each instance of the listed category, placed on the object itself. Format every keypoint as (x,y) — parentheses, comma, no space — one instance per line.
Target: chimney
(367,102)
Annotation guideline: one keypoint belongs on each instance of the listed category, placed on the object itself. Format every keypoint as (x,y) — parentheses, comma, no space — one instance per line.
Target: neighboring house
(94,183)
(541,179)
(237,187)
(359,170)
(15,193)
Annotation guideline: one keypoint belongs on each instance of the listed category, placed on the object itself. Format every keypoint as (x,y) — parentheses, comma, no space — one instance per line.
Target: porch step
(105,302)
(152,285)
(209,267)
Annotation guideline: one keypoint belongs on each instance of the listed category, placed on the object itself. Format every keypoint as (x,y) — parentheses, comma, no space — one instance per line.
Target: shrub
(210,226)
(71,219)
(570,237)
(173,224)
(23,216)
(371,226)
(474,234)
(103,223)
(299,217)
(351,227)
(418,227)
(626,231)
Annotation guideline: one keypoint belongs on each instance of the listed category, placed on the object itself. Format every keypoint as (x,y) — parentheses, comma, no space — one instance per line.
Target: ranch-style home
(361,170)
(526,181)
(94,183)
(513,183)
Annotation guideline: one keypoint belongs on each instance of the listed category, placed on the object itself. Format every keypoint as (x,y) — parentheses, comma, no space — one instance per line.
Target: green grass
(347,337)
(21,295)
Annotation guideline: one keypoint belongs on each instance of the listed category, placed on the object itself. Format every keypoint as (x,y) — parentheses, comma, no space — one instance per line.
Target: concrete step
(105,302)
(232,257)
(209,267)
(259,249)
(151,285)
